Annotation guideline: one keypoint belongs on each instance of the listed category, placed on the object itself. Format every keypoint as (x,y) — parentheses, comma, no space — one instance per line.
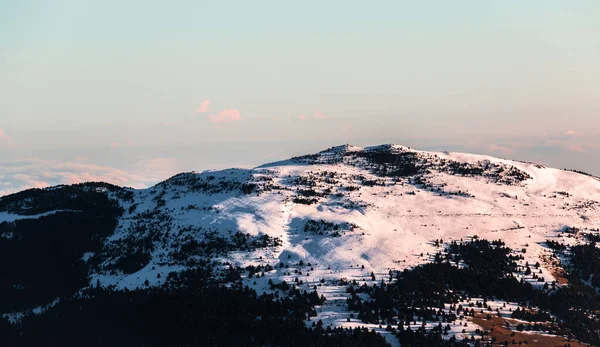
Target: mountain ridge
(353,213)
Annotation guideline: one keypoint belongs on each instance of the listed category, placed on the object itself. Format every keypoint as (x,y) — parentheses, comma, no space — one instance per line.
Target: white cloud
(227,115)
(37,173)
(503,149)
(575,147)
(204,106)
(5,140)
(315,116)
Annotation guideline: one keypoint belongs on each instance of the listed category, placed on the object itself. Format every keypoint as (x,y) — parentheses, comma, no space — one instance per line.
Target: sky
(132,92)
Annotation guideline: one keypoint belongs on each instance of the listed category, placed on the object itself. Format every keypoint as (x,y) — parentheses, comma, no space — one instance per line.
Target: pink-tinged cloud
(315,116)
(500,149)
(39,173)
(227,115)
(115,145)
(570,133)
(5,139)
(204,106)
(575,147)
(320,115)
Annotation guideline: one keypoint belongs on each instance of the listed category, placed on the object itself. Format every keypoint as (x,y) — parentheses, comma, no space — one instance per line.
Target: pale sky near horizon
(134,91)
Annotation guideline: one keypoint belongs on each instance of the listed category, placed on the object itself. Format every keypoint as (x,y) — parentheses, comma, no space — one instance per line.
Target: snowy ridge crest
(353,213)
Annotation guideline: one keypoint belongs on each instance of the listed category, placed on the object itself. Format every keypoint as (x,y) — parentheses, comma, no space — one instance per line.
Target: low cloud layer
(38,173)
(500,149)
(314,116)
(225,116)
(568,142)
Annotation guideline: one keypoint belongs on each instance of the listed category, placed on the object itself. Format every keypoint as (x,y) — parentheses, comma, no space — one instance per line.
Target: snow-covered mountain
(317,221)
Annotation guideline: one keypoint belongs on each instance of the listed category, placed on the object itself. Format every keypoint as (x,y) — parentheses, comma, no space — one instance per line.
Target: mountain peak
(388,147)
(322,220)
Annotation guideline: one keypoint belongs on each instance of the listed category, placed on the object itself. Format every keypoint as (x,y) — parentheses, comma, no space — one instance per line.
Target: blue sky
(133,91)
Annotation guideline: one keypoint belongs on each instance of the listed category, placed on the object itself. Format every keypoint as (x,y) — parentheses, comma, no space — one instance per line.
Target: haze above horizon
(133,92)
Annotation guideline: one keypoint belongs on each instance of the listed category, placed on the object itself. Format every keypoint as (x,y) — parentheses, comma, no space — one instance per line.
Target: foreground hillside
(367,246)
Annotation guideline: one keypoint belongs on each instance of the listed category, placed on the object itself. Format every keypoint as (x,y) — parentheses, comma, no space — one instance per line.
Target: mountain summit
(362,227)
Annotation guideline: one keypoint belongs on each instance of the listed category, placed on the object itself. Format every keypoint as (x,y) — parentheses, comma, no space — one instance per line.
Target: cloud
(558,149)
(157,169)
(549,145)
(5,139)
(223,116)
(503,149)
(38,173)
(575,147)
(320,115)
(204,106)
(315,116)
(115,145)
(227,115)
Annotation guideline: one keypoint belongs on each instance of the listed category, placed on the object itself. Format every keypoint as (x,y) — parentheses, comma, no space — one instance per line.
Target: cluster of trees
(214,243)
(225,181)
(42,258)
(133,251)
(369,182)
(390,164)
(585,262)
(421,182)
(188,310)
(556,245)
(85,197)
(304,201)
(309,180)
(531,315)
(423,292)
(582,173)
(402,164)
(462,169)
(148,230)
(386,161)
(228,181)
(508,174)
(323,227)
(592,237)
(433,337)
(248,188)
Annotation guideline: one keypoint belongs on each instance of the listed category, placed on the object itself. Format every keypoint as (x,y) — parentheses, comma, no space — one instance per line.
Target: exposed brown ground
(559,274)
(501,333)
(554,266)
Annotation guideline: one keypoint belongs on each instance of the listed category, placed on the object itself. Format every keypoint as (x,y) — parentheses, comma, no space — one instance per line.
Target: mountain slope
(346,213)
